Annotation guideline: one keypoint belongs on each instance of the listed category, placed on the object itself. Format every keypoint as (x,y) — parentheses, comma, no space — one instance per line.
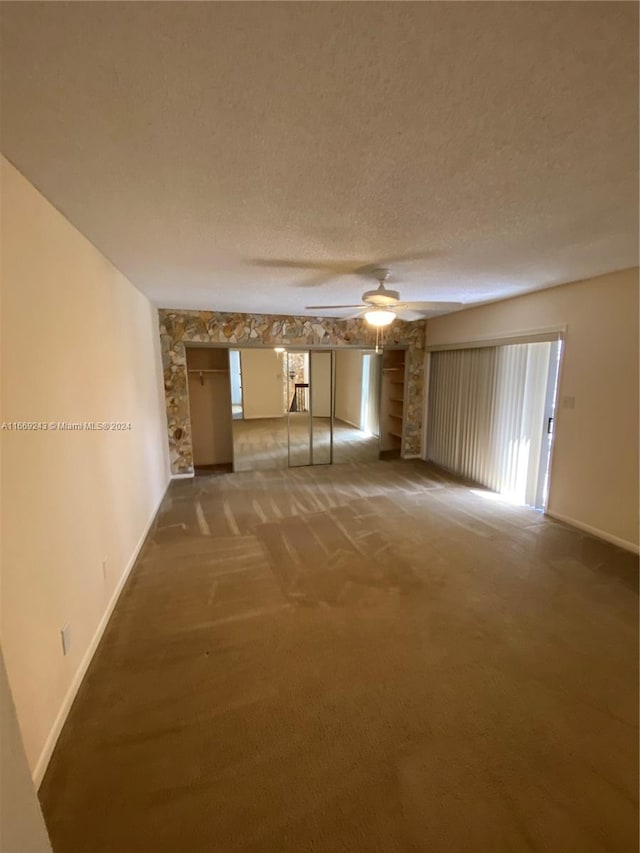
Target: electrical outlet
(104,570)
(65,635)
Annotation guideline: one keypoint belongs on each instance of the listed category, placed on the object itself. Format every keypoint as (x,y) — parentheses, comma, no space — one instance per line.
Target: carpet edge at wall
(595,531)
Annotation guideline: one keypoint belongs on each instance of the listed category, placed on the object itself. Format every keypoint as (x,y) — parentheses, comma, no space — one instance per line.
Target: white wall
(79,343)
(348,393)
(594,477)
(21,823)
(262,383)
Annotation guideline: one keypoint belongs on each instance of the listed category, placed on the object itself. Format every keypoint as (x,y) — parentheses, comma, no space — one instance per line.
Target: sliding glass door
(491,415)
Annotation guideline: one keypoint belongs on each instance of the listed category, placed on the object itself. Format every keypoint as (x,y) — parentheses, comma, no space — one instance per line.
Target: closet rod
(202,370)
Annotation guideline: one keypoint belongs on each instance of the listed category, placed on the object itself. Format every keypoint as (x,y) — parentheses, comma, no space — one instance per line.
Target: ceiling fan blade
(317,280)
(322,307)
(374,267)
(329,269)
(338,267)
(428,307)
(409,316)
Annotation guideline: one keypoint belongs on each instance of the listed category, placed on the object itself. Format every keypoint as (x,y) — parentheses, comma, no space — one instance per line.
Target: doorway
(549,419)
(235,368)
(526,381)
(491,415)
(210,408)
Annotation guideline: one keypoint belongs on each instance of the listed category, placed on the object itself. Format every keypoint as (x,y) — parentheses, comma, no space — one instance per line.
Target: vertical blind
(487,415)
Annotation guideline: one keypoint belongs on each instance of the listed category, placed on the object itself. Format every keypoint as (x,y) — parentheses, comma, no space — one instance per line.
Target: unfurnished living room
(319,427)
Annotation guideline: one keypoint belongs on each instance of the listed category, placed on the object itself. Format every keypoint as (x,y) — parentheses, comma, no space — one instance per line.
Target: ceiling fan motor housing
(381,297)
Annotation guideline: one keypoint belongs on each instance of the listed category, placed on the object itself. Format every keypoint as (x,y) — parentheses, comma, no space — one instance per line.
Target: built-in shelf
(392,402)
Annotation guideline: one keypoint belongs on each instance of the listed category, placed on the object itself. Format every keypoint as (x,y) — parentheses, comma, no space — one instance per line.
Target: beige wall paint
(262,383)
(349,386)
(594,478)
(22,826)
(79,343)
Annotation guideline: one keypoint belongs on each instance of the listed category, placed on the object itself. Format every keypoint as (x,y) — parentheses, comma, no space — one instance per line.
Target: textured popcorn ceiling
(188,139)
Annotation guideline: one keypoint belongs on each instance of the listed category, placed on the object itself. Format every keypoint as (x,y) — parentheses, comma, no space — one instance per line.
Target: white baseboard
(50,743)
(594,531)
(183,476)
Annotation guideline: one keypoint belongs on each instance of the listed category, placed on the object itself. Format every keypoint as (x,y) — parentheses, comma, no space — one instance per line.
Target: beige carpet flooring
(262,443)
(358,658)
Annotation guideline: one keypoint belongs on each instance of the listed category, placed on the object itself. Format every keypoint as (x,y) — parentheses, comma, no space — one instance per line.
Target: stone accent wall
(178,328)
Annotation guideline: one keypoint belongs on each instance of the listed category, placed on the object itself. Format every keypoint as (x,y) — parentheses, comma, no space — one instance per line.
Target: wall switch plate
(65,635)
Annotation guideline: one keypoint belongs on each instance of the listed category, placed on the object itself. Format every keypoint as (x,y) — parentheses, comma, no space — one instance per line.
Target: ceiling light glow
(379,317)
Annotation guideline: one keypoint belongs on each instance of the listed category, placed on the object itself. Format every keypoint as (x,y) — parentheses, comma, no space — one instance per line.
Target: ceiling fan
(326,270)
(381,306)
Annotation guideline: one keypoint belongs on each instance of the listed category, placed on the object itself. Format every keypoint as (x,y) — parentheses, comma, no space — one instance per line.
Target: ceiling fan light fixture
(379,317)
